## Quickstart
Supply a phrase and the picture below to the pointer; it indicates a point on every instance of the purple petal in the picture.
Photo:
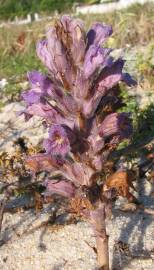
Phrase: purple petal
(44, 111)
(45, 56)
(69, 104)
(108, 78)
(35, 78)
(94, 58)
(56, 50)
(97, 163)
(31, 96)
(41, 87)
(81, 87)
(109, 125)
(77, 172)
(98, 34)
(42, 162)
(116, 123)
(40, 82)
(71, 135)
(96, 143)
(58, 53)
(61, 187)
(128, 79)
(49, 114)
(57, 143)
(66, 102)
(90, 106)
(75, 38)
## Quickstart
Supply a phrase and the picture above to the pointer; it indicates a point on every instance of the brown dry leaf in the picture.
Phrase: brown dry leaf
(38, 201)
(11, 166)
(121, 181)
(77, 205)
(20, 42)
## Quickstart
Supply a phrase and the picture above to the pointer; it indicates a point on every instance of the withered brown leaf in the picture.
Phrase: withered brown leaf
(77, 205)
(122, 182)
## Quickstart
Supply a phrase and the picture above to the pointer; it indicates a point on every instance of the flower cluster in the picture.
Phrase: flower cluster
(77, 101)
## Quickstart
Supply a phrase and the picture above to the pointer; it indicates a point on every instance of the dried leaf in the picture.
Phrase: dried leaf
(38, 201)
(77, 205)
(20, 42)
(121, 181)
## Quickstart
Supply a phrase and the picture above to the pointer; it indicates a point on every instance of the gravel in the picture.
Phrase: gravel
(13, 126)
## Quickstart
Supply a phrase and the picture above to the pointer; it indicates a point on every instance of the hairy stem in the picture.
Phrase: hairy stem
(97, 219)
(102, 251)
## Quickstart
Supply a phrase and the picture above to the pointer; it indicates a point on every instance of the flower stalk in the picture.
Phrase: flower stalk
(97, 219)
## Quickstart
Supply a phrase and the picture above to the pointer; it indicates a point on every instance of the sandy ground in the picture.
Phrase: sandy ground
(28, 245)
(13, 126)
(29, 242)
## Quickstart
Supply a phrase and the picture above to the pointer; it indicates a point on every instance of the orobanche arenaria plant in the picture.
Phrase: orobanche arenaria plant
(77, 100)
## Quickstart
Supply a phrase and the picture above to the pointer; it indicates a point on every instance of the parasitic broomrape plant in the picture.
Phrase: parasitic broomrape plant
(78, 101)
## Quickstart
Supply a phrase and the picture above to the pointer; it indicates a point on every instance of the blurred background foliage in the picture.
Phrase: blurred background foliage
(11, 8)
(133, 33)
(132, 27)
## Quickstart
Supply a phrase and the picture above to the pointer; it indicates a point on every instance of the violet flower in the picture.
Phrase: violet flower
(98, 34)
(77, 101)
(41, 86)
(95, 57)
(116, 124)
(58, 143)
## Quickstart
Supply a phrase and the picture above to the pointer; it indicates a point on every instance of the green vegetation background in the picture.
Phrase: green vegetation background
(11, 8)
(133, 32)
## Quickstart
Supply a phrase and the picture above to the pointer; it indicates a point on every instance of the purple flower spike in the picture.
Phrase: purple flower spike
(98, 34)
(77, 102)
(58, 143)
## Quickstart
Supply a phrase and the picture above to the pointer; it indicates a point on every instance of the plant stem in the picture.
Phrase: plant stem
(97, 219)
(102, 251)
